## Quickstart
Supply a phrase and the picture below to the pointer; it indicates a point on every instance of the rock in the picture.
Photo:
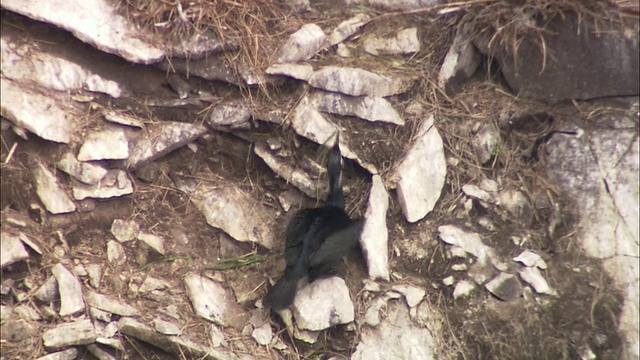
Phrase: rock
(343, 51)
(148, 172)
(372, 316)
(160, 139)
(292, 70)
(229, 208)
(96, 22)
(17, 330)
(110, 144)
(67, 354)
(47, 116)
(230, 116)
(49, 71)
(530, 259)
(402, 5)
(322, 304)
(49, 190)
(151, 283)
(108, 304)
(469, 241)
(517, 204)
(95, 274)
(289, 198)
(30, 243)
(365, 107)
(71, 301)
(115, 253)
(487, 191)
(580, 67)
(533, 277)
(87, 173)
(375, 235)
(173, 344)
(412, 294)
(505, 287)
(154, 241)
(405, 42)
(48, 292)
(307, 336)
(125, 230)
(27, 312)
(459, 64)
(347, 28)
(301, 45)
(449, 280)
(116, 183)
(123, 119)
(357, 82)
(11, 250)
(209, 68)
(308, 122)
(178, 84)
(99, 353)
(420, 175)
(263, 334)
(396, 337)
(209, 298)
(98, 314)
(216, 336)
(80, 332)
(166, 327)
(462, 289)
(486, 142)
(295, 176)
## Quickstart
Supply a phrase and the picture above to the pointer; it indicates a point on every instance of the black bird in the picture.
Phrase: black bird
(316, 239)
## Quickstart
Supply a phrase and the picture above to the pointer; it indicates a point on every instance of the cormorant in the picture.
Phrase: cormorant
(316, 239)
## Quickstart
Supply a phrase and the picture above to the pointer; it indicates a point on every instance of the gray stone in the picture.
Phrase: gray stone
(581, 66)
(115, 253)
(357, 82)
(301, 45)
(67, 354)
(27, 312)
(533, 277)
(70, 290)
(517, 204)
(505, 287)
(462, 289)
(216, 336)
(96, 22)
(412, 294)
(95, 274)
(209, 298)
(166, 327)
(486, 191)
(100, 353)
(420, 175)
(365, 107)
(160, 139)
(404, 42)
(154, 241)
(402, 4)
(469, 241)
(110, 144)
(459, 64)
(343, 51)
(85, 172)
(98, 314)
(322, 304)
(30, 243)
(263, 334)
(375, 235)
(104, 302)
(296, 71)
(122, 119)
(125, 230)
(12, 250)
(209, 68)
(230, 116)
(486, 142)
(48, 292)
(47, 116)
(49, 190)
(179, 85)
(396, 337)
(348, 28)
(80, 332)
(151, 283)
(116, 183)
(529, 258)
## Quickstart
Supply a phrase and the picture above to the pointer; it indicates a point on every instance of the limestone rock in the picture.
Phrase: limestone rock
(80, 332)
(161, 139)
(517, 204)
(505, 287)
(296, 71)
(301, 45)
(122, 119)
(533, 276)
(412, 294)
(87, 173)
(463, 288)
(115, 253)
(100, 353)
(12, 250)
(348, 28)
(67, 354)
(357, 82)
(367, 108)
(166, 327)
(420, 175)
(125, 230)
(154, 241)
(263, 334)
(70, 290)
(486, 142)
(230, 116)
(374, 237)
(469, 241)
(209, 298)
(404, 42)
(49, 190)
(48, 292)
(529, 258)
(115, 183)
(109, 144)
(104, 302)
(322, 304)
(459, 64)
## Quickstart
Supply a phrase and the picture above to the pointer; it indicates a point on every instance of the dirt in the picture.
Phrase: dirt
(478, 327)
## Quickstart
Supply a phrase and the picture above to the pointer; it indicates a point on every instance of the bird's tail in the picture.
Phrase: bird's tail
(283, 292)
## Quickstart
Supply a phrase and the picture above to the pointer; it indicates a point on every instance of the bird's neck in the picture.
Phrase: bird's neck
(336, 196)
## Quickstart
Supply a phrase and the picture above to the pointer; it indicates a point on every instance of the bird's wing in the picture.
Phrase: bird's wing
(297, 228)
(337, 244)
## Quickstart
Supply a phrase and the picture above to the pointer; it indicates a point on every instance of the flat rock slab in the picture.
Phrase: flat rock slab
(49, 190)
(108, 144)
(469, 241)
(301, 45)
(412, 294)
(11, 250)
(375, 235)
(357, 82)
(115, 253)
(227, 207)
(114, 184)
(104, 302)
(396, 337)
(348, 28)
(209, 298)
(125, 230)
(154, 241)
(230, 116)
(70, 290)
(80, 332)
(48, 292)
(173, 344)
(68, 354)
(420, 175)
(160, 139)
(322, 304)
(404, 42)
(296, 71)
(263, 334)
(533, 277)
(47, 116)
(97, 22)
(87, 173)
(459, 64)
(365, 107)
(166, 327)
(529, 258)
(505, 287)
